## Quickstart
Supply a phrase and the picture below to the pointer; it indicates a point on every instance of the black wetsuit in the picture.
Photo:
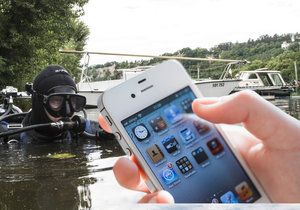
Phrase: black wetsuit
(53, 79)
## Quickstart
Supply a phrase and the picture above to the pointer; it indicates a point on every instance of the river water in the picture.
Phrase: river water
(32, 178)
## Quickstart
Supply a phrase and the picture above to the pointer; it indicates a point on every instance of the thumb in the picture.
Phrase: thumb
(103, 124)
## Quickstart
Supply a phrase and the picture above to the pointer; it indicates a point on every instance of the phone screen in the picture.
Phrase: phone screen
(187, 154)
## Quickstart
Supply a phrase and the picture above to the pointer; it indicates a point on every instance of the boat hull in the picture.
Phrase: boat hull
(217, 88)
(278, 91)
(208, 88)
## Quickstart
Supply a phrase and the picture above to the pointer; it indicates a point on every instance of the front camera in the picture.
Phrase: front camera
(132, 95)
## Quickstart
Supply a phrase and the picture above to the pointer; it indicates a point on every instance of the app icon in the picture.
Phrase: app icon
(141, 132)
(187, 105)
(200, 155)
(168, 174)
(229, 197)
(215, 146)
(244, 191)
(201, 127)
(158, 124)
(187, 135)
(155, 153)
(184, 165)
(173, 114)
(171, 144)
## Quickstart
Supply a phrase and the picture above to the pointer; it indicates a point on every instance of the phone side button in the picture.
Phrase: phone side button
(118, 136)
(108, 120)
(128, 152)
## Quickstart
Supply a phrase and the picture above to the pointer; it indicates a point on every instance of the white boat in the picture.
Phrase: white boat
(209, 88)
(217, 88)
(264, 82)
(92, 90)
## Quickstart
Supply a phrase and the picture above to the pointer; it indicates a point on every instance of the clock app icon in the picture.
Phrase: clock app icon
(141, 132)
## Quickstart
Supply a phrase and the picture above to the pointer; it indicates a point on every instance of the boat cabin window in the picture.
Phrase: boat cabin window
(252, 76)
(265, 79)
(277, 80)
(244, 75)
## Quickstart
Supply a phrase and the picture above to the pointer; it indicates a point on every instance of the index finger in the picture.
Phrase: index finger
(265, 121)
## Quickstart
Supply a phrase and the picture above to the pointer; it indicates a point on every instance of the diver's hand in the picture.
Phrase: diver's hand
(271, 146)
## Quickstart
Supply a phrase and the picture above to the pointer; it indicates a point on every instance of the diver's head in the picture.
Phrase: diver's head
(62, 102)
(54, 96)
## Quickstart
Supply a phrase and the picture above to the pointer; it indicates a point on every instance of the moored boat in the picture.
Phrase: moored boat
(208, 87)
(264, 82)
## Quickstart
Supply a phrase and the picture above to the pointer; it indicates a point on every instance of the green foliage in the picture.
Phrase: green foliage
(31, 34)
(285, 63)
(266, 51)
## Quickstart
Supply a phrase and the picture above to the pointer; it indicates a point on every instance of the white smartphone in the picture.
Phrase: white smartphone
(191, 158)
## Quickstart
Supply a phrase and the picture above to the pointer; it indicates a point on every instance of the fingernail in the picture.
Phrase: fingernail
(207, 101)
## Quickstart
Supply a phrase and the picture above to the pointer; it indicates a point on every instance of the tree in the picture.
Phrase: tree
(285, 63)
(266, 51)
(31, 34)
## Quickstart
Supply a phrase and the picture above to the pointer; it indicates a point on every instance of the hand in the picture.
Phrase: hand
(103, 124)
(128, 174)
(270, 145)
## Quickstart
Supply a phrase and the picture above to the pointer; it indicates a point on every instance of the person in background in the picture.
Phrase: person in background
(54, 97)
(268, 140)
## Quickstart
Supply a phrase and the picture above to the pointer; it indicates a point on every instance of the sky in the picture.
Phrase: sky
(155, 27)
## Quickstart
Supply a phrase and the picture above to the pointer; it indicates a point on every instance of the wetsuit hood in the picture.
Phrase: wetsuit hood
(49, 78)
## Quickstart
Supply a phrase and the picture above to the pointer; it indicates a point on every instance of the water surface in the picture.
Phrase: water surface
(31, 178)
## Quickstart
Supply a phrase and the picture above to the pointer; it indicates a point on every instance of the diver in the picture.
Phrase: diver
(54, 99)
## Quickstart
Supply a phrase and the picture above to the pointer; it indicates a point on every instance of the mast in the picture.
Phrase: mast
(148, 56)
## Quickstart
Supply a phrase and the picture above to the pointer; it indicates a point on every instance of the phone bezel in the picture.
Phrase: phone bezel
(157, 78)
